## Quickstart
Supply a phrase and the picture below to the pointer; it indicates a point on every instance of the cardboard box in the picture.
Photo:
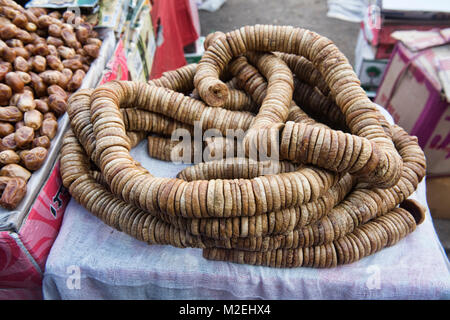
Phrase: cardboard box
(438, 197)
(195, 57)
(141, 45)
(112, 14)
(388, 16)
(413, 92)
(385, 43)
(368, 68)
(416, 9)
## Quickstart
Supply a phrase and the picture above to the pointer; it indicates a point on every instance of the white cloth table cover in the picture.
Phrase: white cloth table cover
(90, 260)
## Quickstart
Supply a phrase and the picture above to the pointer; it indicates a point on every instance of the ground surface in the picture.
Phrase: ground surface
(310, 14)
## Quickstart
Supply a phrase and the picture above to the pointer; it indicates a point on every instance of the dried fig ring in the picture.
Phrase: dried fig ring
(112, 147)
(290, 218)
(327, 59)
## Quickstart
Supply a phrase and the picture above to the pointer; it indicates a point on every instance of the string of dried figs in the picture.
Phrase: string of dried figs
(360, 113)
(330, 197)
(406, 194)
(147, 227)
(80, 104)
(44, 57)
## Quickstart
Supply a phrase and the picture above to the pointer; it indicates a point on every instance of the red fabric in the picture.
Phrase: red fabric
(40, 229)
(178, 30)
(23, 254)
(16, 269)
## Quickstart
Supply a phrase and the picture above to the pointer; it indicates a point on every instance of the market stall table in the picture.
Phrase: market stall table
(90, 260)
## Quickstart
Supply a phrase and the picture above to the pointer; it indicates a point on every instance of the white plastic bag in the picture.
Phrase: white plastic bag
(348, 10)
(210, 5)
